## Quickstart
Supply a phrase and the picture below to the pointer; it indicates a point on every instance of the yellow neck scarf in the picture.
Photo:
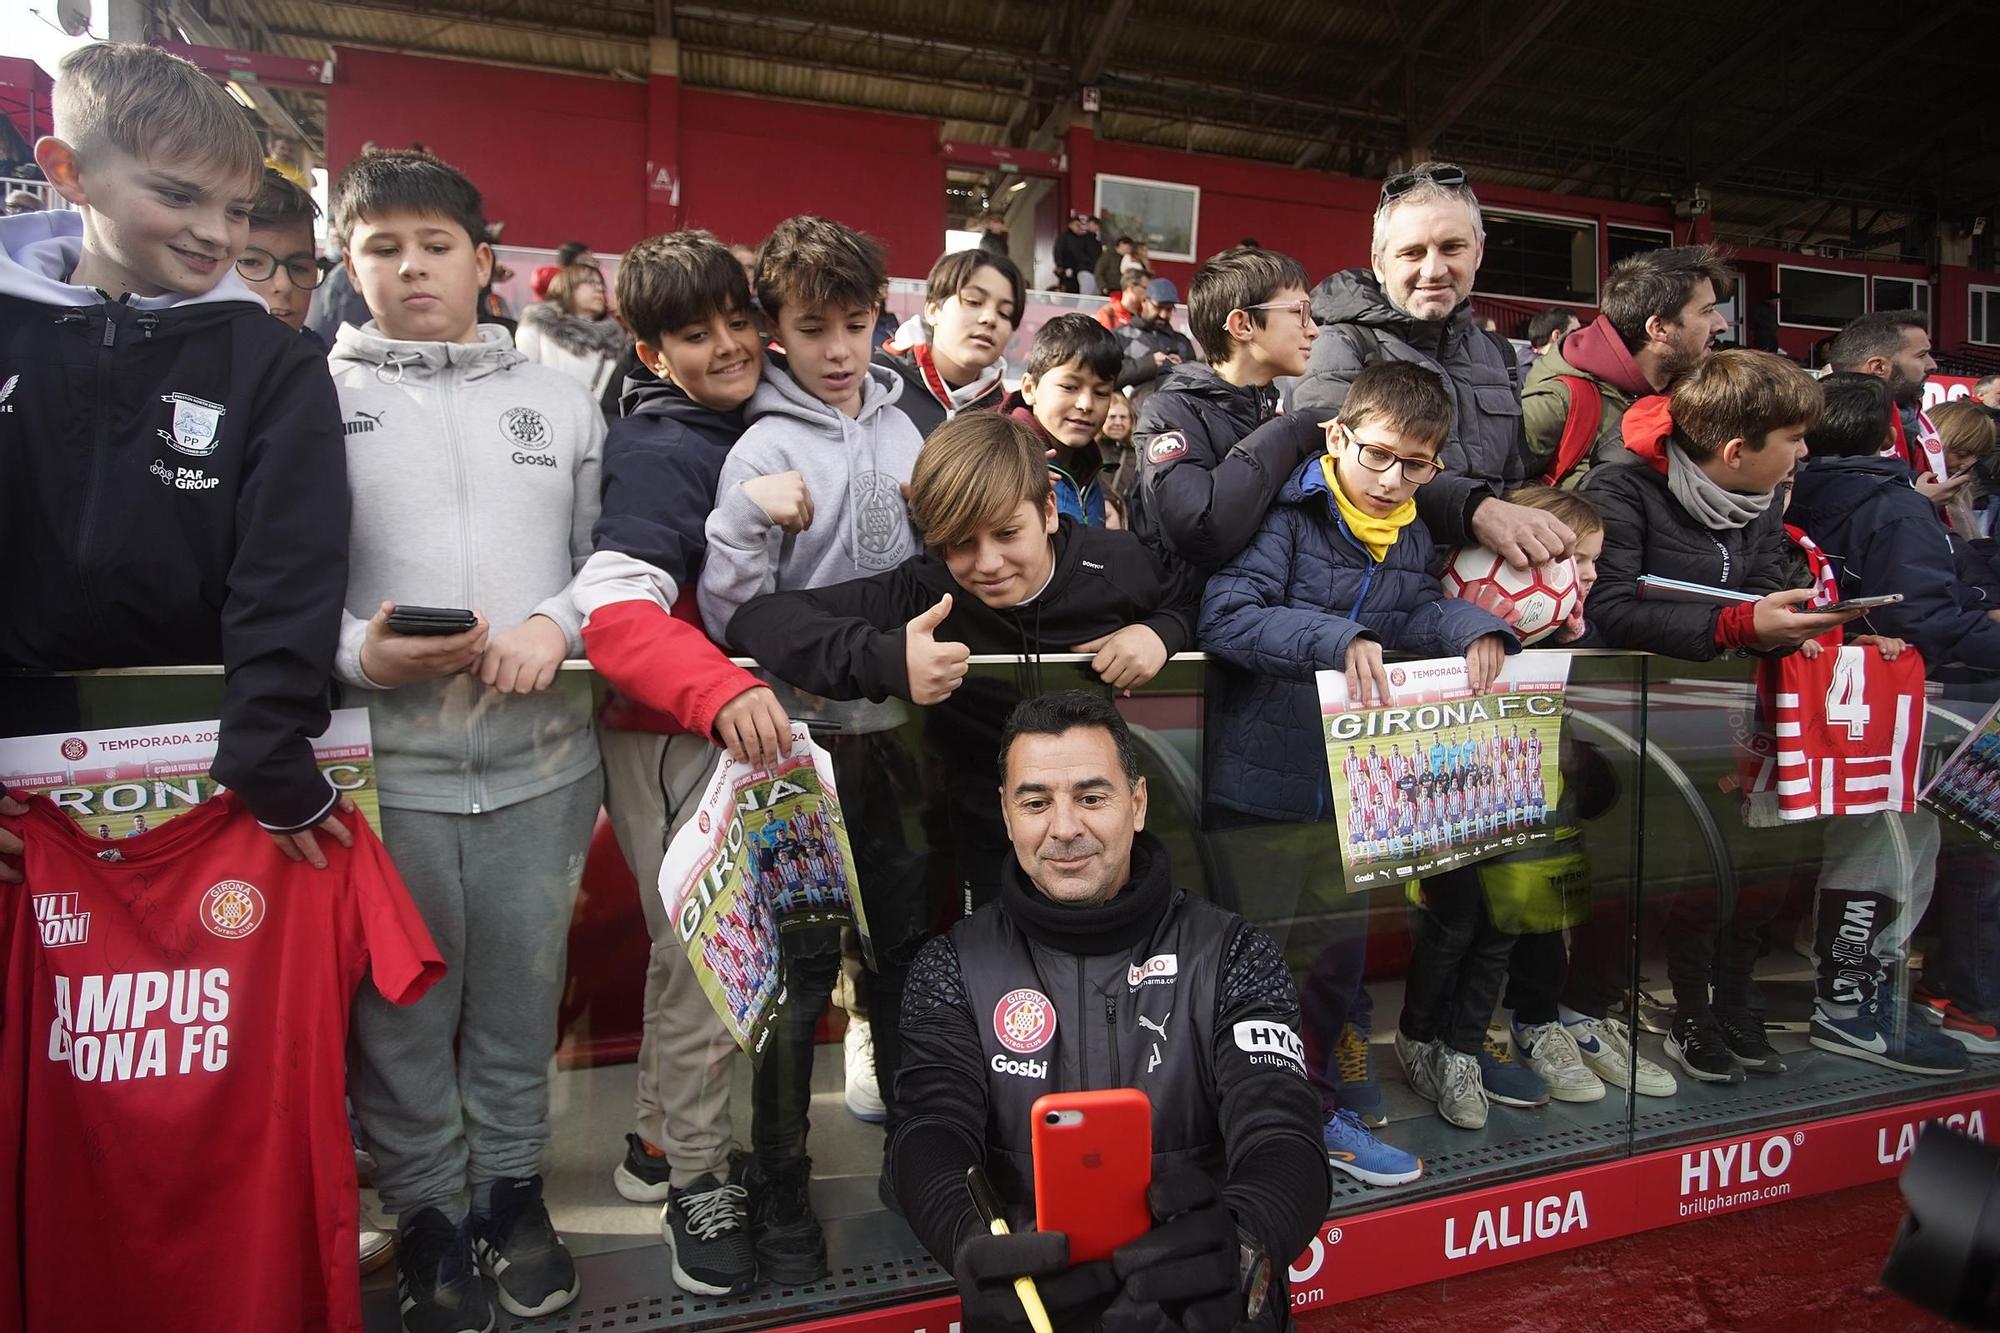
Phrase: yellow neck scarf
(1377, 534)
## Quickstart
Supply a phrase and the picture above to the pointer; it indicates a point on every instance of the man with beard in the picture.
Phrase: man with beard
(1659, 321)
(1895, 346)
(1415, 304)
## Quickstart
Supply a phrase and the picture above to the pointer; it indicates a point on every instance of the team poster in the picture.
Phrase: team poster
(1441, 777)
(124, 780)
(1966, 788)
(764, 853)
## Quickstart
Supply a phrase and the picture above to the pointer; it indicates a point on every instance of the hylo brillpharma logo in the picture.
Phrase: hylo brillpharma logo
(75, 748)
(232, 909)
(1024, 1020)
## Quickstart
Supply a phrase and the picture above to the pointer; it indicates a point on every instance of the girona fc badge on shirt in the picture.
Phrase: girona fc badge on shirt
(1024, 1020)
(232, 909)
(196, 424)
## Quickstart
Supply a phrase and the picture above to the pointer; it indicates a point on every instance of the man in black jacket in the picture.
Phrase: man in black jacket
(1003, 575)
(1076, 253)
(1132, 984)
(1153, 346)
(1416, 305)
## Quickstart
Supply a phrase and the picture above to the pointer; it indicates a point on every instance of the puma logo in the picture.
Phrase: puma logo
(1160, 1027)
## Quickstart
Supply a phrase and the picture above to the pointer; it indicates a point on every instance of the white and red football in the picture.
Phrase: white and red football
(1545, 596)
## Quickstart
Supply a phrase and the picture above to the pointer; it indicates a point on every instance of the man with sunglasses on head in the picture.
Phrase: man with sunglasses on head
(1211, 456)
(279, 262)
(1414, 304)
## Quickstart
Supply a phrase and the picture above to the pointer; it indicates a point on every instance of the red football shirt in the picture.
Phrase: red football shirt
(174, 1146)
(1848, 728)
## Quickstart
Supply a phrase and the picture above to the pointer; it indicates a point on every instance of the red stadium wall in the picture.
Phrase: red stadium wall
(556, 156)
(746, 164)
(567, 157)
(566, 160)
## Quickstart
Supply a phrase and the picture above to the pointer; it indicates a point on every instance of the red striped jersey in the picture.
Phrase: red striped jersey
(1848, 728)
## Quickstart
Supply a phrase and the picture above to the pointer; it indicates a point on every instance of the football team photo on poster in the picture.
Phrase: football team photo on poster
(765, 854)
(1441, 777)
(1966, 787)
(123, 781)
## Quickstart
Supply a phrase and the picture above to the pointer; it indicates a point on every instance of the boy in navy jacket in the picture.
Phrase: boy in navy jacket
(1211, 457)
(1339, 572)
(676, 698)
(1859, 506)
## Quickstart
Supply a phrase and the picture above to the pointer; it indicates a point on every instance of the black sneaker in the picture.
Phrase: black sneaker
(791, 1249)
(1701, 1049)
(642, 1176)
(707, 1230)
(436, 1282)
(517, 1246)
(1745, 1035)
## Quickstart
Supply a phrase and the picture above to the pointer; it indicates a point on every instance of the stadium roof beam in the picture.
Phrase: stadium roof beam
(1315, 152)
(1805, 110)
(1467, 87)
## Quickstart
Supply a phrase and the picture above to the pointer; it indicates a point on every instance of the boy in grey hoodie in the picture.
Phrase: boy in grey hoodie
(811, 495)
(475, 477)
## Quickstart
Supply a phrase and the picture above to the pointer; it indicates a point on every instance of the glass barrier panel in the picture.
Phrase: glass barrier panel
(1797, 965)
(1558, 975)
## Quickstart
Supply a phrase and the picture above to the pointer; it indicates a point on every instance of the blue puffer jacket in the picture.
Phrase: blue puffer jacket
(1286, 607)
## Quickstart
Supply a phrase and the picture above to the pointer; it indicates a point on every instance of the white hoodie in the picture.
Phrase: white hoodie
(475, 481)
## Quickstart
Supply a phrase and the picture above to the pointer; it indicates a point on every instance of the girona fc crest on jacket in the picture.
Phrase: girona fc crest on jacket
(197, 424)
(1024, 1020)
(232, 909)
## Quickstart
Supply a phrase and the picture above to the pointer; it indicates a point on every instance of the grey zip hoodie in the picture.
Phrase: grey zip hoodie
(475, 481)
(855, 467)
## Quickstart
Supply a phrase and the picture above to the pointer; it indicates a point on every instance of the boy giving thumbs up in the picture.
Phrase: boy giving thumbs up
(1002, 574)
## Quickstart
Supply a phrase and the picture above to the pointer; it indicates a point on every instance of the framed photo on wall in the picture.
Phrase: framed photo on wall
(1160, 214)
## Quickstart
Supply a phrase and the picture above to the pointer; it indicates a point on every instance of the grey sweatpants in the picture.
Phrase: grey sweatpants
(1877, 874)
(687, 1058)
(496, 890)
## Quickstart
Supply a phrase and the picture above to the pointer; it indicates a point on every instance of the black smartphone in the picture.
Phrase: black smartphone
(431, 620)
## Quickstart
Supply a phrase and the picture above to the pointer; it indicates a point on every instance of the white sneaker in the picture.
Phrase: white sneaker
(377, 1248)
(864, 1097)
(1606, 1047)
(1461, 1096)
(1551, 1053)
(1419, 1061)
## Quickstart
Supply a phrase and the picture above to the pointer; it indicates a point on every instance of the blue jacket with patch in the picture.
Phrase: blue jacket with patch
(1287, 607)
(1883, 537)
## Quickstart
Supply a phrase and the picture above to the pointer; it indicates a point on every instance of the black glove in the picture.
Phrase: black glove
(1187, 1266)
(987, 1265)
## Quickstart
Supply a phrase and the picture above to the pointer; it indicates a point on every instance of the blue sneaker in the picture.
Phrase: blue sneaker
(1904, 1045)
(1354, 1077)
(1351, 1148)
(1505, 1079)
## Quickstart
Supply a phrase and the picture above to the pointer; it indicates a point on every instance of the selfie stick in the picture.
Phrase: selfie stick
(989, 1212)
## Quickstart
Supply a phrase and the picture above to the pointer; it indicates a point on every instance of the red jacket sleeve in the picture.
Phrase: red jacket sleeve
(663, 663)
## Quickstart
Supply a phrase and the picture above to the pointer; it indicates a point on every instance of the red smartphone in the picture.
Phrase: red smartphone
(1093, 1161)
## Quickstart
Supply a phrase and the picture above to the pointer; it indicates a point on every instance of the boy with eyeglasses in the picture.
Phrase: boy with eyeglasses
(1337, 573)
(279, 262)
(1197, 497)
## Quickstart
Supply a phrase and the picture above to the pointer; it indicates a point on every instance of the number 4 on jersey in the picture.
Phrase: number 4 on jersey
(1847, 697)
